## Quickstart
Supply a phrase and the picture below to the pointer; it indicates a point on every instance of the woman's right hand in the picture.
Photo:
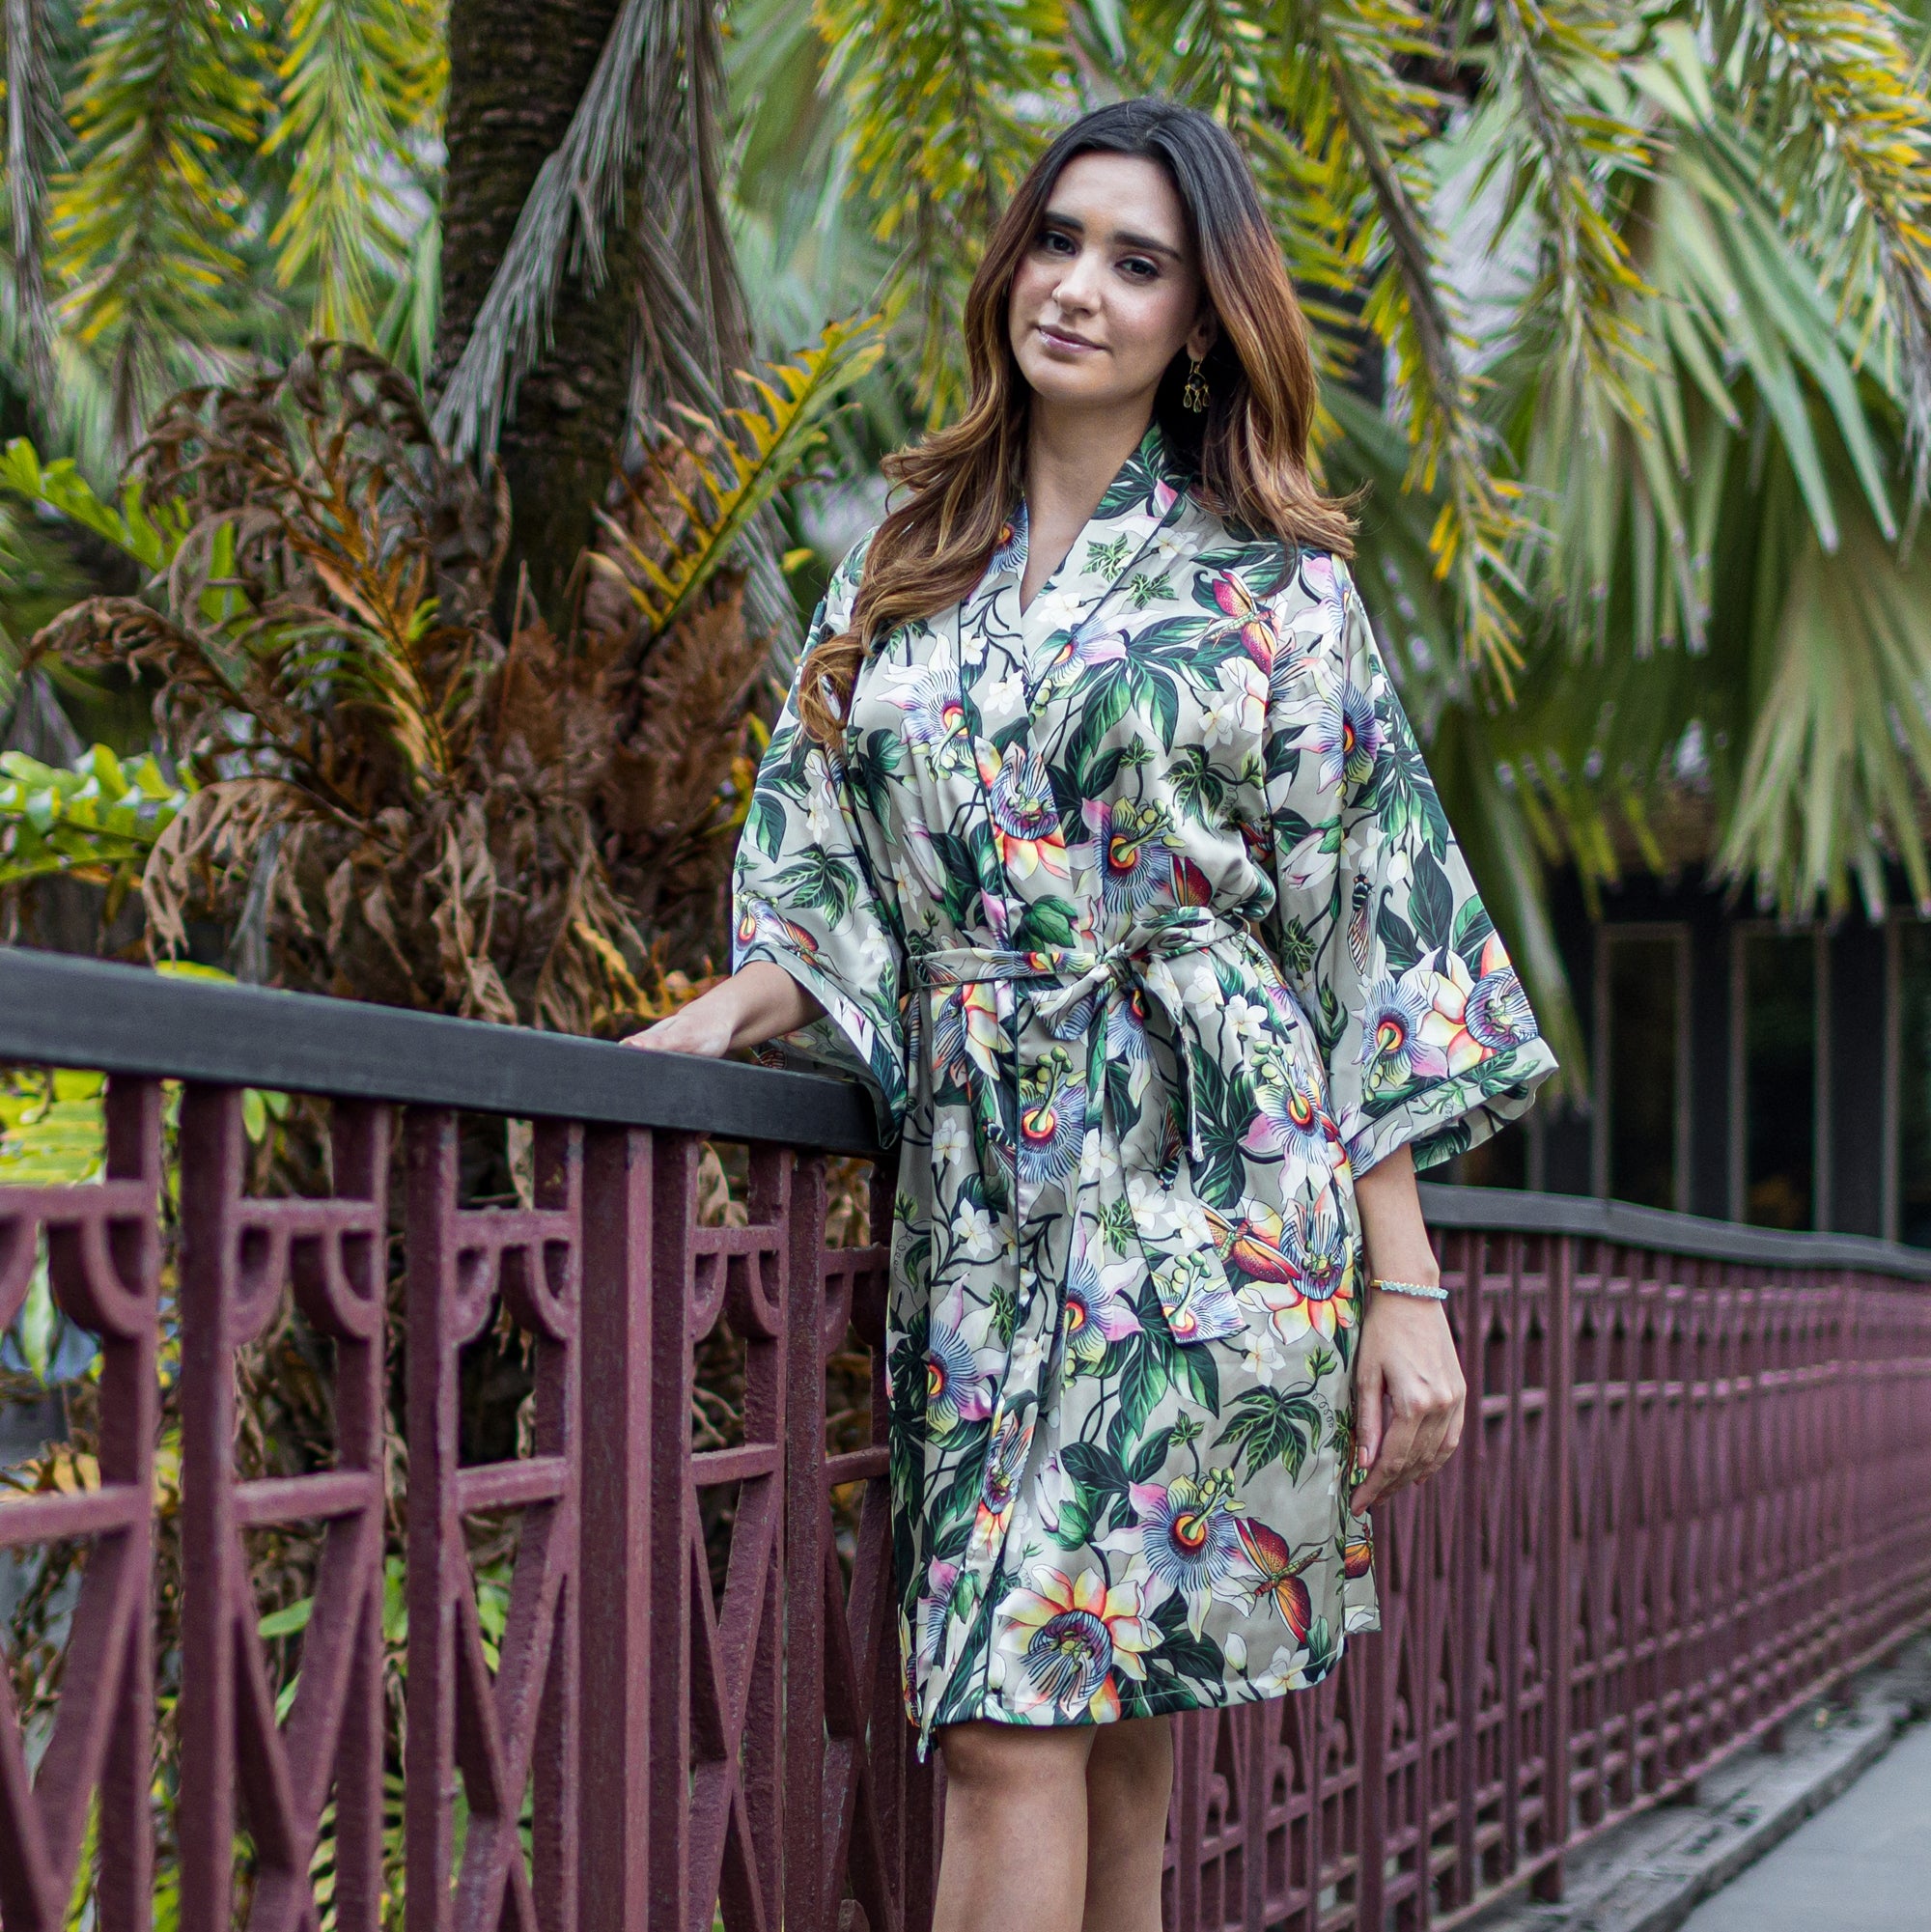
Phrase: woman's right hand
(757, 1003)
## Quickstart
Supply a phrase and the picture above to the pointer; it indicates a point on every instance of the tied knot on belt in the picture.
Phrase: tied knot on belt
(1059, 979)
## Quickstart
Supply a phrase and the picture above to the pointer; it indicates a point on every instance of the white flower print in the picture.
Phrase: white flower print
(978, 1234)
(1249, 1019)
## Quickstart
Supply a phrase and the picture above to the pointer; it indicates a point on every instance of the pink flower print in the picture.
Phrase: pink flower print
(1395, 1048)
(1080, 650)
(1097, 1314)
(1185, 1531)
(1071, 1635)
(1129, 850)
(1289, 1118)
(1497, 1012)
(1025, 819)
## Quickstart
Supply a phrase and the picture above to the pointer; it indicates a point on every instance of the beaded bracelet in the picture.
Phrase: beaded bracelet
(1411, 1288)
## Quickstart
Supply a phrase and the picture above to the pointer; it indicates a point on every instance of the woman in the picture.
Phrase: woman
(1094, 840)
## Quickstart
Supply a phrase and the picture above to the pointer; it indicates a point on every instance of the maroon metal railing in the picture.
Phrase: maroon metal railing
(1696, 1491)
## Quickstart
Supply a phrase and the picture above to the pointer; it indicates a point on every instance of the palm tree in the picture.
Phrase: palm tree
(1647, 291)
(517, 205)
(1626, 307)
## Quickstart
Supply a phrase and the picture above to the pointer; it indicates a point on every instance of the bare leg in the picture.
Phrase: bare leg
(1129, 1785)
(1015, 1850)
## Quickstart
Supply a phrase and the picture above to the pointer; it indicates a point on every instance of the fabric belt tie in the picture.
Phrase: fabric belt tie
(1139, 962)
(1186, 1270)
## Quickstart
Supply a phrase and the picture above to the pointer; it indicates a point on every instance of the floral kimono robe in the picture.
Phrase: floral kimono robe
(1137, 913)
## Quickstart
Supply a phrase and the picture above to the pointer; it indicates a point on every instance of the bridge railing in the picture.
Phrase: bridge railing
(631, 1672)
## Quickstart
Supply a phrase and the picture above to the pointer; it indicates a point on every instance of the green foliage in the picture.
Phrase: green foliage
(356, 77)
(126, 523)
(98, 820)
(739, 467)
(943, 105)
(148, 228)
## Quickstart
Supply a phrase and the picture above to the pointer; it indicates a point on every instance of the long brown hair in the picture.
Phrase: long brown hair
(1248, 451)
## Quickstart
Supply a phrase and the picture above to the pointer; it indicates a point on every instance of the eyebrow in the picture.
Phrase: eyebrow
(1124, 237)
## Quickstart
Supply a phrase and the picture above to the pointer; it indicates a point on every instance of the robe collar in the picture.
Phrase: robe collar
(1145, 498)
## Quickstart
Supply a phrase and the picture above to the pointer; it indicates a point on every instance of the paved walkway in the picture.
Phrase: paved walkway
(1861, 1864)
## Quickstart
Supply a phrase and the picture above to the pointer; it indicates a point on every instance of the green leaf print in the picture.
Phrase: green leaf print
(1397, 937)
(1472, 928)
(764, 824)
(1271, 1425)
(1432, 900)
(1106, 702)
(1146, 1465)
(820, 881)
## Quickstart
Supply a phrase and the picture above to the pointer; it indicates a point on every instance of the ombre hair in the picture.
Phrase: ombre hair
(1247, 452)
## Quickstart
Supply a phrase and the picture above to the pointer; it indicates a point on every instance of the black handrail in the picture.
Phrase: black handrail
(58, 1010)
(1624, 1224)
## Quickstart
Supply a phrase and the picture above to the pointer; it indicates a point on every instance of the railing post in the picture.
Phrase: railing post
(435, 1547)
(673, 1218)
(619, 1582)
(1559, 1658)
(211, 1150)
(806, 1553)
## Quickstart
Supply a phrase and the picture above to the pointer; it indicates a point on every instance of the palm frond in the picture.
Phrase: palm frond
(1361, 43)
(945, 102)
(757, 451)
(148, 228)
(1835, 772)
(350, 92)
(1836, 89)
(1555, 66)
(32, 145)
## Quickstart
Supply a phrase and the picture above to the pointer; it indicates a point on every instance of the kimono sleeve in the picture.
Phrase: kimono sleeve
(1428, 1037)
(807, 897)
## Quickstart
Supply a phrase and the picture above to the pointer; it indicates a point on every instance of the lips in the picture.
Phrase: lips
(1059, 338)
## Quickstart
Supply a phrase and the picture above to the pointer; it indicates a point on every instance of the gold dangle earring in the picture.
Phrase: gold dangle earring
(1194, 395)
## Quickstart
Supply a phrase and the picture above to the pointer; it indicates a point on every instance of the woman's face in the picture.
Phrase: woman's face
(1109, 291)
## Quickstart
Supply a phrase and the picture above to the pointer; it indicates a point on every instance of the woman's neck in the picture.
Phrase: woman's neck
(1070, 458)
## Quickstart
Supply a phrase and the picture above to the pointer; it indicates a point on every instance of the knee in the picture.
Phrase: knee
(1129, 1780)
(990, 1762)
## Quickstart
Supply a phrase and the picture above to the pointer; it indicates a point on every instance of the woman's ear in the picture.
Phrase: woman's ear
(1204, 334)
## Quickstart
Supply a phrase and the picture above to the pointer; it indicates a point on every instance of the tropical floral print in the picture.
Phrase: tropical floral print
(1139, 914)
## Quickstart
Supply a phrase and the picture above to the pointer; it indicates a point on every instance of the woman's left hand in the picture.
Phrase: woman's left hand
(1408, 1389)
(1406, 1367)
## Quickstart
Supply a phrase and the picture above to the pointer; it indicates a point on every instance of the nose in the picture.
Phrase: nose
(1077, 289)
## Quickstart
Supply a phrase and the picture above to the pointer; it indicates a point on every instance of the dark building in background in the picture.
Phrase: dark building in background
(1740, 1068)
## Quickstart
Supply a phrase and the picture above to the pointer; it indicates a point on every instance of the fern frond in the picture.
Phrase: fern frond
(759, 450)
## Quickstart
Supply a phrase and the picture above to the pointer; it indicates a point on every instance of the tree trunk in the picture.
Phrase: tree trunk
(517, 71)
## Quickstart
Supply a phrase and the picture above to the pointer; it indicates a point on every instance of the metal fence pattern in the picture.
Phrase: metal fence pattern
(1695, 1489)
